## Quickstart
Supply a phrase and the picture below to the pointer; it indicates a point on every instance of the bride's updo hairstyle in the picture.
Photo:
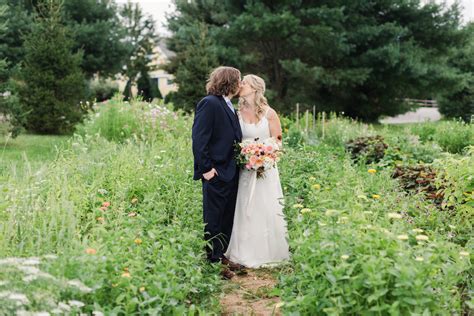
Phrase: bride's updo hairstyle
(257, 84)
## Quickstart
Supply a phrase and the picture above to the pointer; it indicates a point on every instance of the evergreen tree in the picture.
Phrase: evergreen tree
(360, 57)
(10, 108)
(192, 67)
(459, 101)
(140, 40)
(52, 82)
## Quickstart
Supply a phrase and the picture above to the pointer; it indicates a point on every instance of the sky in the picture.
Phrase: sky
(159, 8)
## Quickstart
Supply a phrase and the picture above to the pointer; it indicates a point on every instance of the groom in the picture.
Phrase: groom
(215, 130)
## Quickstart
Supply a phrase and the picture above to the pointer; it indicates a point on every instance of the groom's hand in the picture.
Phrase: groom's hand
(210, 174)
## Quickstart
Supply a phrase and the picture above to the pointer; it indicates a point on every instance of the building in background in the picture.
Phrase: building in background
(164, 80)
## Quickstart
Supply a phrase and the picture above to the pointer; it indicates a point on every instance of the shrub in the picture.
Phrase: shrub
(371, 148)
(454, 136)
(102, 89)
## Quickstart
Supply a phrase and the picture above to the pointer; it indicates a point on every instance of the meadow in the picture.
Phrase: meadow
(110, 222)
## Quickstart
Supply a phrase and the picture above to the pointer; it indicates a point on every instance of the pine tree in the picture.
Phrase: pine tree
(52, 82)
(192, 67)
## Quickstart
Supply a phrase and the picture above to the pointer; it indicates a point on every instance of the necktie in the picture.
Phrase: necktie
(229, 104)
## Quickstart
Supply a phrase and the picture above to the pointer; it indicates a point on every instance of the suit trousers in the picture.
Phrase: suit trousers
(219, 200)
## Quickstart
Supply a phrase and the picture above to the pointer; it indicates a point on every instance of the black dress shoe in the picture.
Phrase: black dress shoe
(226, 274)
(236, 267)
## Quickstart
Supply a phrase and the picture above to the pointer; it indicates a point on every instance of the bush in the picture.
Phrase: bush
(454, 136)
(118, 121)
(371, 149)
(102, 89)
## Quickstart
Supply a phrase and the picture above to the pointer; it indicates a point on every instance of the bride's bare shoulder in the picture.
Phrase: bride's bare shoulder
(271, 113)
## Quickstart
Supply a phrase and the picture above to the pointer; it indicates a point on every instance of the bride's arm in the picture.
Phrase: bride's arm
(275, 126)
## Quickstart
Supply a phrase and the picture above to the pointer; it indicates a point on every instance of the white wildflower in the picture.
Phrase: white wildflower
(75, 303)
(81, 286)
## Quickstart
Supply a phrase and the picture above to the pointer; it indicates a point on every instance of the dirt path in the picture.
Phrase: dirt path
(251, 294)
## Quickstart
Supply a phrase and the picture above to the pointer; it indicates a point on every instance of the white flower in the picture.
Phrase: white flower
(81, 286)
(74, 303)
(419, 259)
(394, 215)
(402, 237)
(464, 253)
(345, 257)
(97, 313)
(417, 230)
(64, 306)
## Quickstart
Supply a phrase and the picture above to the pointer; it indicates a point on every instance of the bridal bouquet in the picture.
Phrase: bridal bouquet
(258, 155)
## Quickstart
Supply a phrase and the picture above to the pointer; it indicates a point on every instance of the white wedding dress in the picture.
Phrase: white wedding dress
(259, 235)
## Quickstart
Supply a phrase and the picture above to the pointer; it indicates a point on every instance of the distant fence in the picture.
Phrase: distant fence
(424, 103)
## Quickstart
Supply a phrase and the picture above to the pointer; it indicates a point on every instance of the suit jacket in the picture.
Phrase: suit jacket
(215, 131)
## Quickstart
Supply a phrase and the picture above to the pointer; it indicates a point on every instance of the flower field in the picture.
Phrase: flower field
(112, 226)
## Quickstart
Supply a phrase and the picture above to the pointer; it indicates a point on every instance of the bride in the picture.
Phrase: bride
(259, 233)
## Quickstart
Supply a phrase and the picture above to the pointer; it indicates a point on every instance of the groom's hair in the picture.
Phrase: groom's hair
(223, 81)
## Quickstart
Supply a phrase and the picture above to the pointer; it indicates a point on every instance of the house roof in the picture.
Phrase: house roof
(164, 48)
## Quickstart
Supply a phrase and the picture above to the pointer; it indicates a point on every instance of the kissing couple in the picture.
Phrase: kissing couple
(243, 217)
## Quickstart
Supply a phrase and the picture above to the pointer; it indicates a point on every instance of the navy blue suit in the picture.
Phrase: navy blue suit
(216, 129)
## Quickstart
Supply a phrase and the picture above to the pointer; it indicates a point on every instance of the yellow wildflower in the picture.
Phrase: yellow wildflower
(375, 196)
(394, 215)
(298, 206)
(316, 186)
(421, 237)
(372, 171)
(305, 210)
(134, 201)
(126, 275)
(138, 241)
(142, 289)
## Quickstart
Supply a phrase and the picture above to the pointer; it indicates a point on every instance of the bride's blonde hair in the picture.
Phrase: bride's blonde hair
(258, 84)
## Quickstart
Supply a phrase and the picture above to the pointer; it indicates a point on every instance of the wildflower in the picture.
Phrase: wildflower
(132, 214)
(103, 208)
(464, 253)
(321, 224)
(344, 257)
(417, 230)
(305, 210)
(75, 303)
(421, 237)
(102, 191)
(402, 237)
(372, 171)
(419, 259)
(298, 206)
(312, 178)
(126, 275)
(106, 204)
(91, 251)
(362, 197)
(134, 201)
(452, 226)
(142, 289)
(114, 284)
(138, 241)
(316, 186)
(394, 215)
(81, 286)
(375, 196)
(343, 219)
(331, 213)
(100, 219)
